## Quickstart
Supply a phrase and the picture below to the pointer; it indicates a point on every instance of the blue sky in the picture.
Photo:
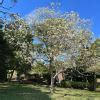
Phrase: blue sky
(89, 9)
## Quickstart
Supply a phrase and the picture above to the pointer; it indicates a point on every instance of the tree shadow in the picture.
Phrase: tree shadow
(22, 92)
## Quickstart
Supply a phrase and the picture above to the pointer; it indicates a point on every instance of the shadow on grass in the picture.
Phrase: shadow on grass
(22, 92)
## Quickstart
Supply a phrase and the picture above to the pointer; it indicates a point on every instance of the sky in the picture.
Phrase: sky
(88, 9)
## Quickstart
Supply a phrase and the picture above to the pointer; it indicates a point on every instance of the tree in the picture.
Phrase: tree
(95, 50)
(5, 54)
(85, 60)
(19, 36)
(95, 47)
(60, 34)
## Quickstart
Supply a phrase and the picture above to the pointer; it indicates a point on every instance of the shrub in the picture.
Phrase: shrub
(66, 84)
(76, 85)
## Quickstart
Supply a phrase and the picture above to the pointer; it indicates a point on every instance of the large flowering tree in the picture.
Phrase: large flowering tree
(62, 36)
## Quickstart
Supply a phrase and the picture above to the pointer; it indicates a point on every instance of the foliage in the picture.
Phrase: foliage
(39, 68)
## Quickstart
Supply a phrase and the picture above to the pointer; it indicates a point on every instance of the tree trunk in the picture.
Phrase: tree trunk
(11, 75)
(18, 76)
(52, 83)
(52, 78)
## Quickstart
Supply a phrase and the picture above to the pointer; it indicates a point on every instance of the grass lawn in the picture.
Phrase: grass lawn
(36, 92)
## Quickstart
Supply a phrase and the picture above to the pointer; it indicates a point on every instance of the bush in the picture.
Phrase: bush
(76, 85)
(79, 85)
(66, 84)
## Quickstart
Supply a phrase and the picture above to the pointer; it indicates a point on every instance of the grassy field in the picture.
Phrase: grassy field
(36, 92)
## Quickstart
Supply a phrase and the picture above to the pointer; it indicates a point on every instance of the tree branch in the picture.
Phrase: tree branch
(1, 2)
(1, 5)
(4, 12)
(6, 7)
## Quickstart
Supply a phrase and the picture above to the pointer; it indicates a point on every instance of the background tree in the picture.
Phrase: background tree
(5, 54)
(95, 47)
(95, 50)
(85, 60)
(19, 37)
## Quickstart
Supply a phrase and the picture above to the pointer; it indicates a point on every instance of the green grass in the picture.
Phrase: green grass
(36, 92)
(75, 94)
(23, 92)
